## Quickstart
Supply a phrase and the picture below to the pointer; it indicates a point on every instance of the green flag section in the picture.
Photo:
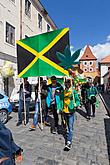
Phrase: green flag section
(36, 55)
(47, 69)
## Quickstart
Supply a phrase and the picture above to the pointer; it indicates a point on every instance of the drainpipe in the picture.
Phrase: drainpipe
(20, 19)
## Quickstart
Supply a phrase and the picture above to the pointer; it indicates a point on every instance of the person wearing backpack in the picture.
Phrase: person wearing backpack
(91, 92)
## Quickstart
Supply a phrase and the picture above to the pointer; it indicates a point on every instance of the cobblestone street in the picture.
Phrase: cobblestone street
(91, 142)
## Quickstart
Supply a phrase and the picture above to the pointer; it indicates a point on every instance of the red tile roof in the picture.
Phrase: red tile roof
(105, 60)
(88, 55)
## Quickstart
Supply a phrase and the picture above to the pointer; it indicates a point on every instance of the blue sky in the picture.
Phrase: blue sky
(88, 20)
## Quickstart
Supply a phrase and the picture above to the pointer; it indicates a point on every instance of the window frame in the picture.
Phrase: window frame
(11, 31)
(84, 63)
(48, 28)
(28, 8)
(91, 63)
(90, 69)
(40, 21)
(85, 69)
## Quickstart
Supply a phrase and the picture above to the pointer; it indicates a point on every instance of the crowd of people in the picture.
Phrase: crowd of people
(60, 99)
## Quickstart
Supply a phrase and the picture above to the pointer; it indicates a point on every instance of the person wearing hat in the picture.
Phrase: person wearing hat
(71, 101)
(53, 100)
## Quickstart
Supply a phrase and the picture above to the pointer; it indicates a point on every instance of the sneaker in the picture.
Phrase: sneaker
(46, 123)
(93, 115)
(67, 146)
(18, 123)
(32, 128)
(54, 131)
(88, 118)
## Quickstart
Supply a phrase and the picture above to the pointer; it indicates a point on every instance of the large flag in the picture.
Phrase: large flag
(36, 55)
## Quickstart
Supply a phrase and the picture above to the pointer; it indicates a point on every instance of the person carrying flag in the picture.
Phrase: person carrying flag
(53, 101)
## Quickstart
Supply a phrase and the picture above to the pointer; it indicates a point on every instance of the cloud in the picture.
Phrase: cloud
(100, 50)
(72, 49)
(108, 38)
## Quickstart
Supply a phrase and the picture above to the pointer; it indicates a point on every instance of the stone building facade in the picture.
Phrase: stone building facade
(104, 66)
(18, 19)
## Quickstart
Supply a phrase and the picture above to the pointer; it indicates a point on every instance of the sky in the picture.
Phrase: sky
(88, 21)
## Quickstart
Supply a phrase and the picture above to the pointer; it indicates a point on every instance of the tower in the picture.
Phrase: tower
(88, 64)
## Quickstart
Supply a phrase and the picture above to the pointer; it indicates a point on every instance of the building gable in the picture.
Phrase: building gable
(88, 55)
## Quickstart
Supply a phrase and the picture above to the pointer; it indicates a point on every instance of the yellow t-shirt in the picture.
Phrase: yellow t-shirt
(67, 95)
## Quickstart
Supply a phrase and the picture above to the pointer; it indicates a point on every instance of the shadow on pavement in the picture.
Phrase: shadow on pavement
(81, 112)
(105, 97)
(107, 134)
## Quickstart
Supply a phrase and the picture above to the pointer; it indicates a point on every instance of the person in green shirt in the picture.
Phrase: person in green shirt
(91, 92)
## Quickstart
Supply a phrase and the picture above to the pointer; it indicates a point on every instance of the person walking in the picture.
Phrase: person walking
(43, 94)
(71, 101)
(91, 92)
(27, 94)
(53, 101)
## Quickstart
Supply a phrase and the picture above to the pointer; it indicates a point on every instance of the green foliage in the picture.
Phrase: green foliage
(67, 60)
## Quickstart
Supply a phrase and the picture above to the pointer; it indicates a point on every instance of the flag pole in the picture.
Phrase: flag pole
(24, 103)
(39, 99)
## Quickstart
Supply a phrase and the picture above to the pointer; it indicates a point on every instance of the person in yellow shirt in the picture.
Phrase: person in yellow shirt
(71, 101)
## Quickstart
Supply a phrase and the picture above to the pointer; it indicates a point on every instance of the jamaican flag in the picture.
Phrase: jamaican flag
(36, 55)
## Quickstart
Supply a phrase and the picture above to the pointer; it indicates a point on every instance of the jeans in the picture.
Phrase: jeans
(69, 118)
(37, 108)
(21, 103)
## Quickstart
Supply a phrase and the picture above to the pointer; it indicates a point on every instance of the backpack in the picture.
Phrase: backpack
(93, 99)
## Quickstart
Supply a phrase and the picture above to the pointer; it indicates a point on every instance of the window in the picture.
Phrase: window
(85, 69)
(91, 62)
(39, 21)
(90, 69)
(28, 8)
(10, 34)
(84, 63)
(48, 28)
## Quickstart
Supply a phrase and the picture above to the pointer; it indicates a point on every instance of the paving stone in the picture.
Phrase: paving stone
(90, 145)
